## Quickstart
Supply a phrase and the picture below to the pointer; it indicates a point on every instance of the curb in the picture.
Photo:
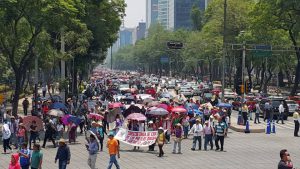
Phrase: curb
(239, 129)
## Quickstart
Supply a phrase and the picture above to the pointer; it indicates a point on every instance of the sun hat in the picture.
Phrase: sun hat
(160, 128)
(62, 140)
(150, 122)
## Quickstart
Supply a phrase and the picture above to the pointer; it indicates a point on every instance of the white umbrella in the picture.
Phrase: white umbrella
(56, 112)
(158, 111)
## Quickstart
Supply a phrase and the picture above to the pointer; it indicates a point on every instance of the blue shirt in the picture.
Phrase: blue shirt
(23, 160)
(93, 147)
(63, 153)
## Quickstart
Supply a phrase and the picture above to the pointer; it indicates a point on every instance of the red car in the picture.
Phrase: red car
(150, 91)
(295, 98)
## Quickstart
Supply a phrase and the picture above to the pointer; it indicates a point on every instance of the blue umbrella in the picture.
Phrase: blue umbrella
(74, 119)
(166, 95)
(225, 105)
(58, 105)
(191, 106)
(196, 111)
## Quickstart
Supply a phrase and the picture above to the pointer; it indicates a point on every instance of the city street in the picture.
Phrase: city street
(246, 151)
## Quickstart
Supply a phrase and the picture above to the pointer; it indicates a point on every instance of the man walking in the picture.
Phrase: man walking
(50, 130)
(197, 130)
(63, 154)
(92, 147)
(113, 150)
(220, 133)
(281, 111)
(25, 104)
(296, 121)
(208, 134)
(178, 138)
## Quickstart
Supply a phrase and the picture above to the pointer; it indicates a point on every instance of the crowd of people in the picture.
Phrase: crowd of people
(105, 117)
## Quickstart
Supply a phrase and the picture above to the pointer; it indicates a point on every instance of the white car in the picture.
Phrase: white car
(292, 105)
(186, 91)
(124, 87)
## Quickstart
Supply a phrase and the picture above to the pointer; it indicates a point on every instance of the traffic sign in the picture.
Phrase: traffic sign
(263, 50)
(175, 45)
(164, 59)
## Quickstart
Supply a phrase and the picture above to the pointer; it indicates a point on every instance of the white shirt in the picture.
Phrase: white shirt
(5, 132)
(281, 108)
(197, 130)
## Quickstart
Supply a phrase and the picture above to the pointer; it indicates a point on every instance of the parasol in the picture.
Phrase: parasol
(179, 110)
(158, 111)
(136, 116)
(56, 113)
(95, 116)
(27, 121)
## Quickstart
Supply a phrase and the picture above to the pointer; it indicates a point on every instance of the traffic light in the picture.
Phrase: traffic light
(242, 89)
(248, 87)
(175, 45)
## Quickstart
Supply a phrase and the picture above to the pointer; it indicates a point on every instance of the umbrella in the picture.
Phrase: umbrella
(179, 110)
(147, 101)
(154, 103)
(129, 98)
(137, 105)
(225, 105)
(195, 111)
(58, 105)
(89, 132)
(191, 106)
(158, 111)
(166, 95)
(164, 100)
(95, 116)
(27, 121)
(69, 118)
(144, 96)
(57, 113)
(115, 105)
(164, 106)
(136, 116)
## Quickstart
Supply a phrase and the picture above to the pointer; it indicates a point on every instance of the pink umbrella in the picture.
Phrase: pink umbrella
(179, 110)
(164, 106)
(27, 121)
(65, 119)
(95, 116)
(115, 105)
(154, 103)
(137, 116)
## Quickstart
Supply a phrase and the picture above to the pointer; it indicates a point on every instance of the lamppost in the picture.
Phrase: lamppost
(224, 48)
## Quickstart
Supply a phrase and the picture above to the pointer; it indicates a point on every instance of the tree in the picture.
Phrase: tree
(197, 18)
(23, 24)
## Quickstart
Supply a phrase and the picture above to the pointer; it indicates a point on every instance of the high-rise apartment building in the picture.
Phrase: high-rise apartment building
(151, 12)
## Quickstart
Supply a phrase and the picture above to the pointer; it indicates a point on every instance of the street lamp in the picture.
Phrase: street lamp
(224, 48)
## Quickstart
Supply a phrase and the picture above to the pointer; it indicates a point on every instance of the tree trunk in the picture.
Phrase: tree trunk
(265, 86)
(262, 75)
(280, 79)
(16, 96)
(297, 50)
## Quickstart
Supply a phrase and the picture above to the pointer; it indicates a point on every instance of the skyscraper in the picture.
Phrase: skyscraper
(141, 31)
(151, 12)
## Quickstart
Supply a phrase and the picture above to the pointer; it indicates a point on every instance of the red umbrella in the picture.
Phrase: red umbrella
(136, 116)
(27, 121)
(164, 106)
(179, 110)
(115, 105)
(95, 116)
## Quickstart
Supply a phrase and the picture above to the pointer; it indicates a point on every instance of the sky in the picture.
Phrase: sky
(135, 12)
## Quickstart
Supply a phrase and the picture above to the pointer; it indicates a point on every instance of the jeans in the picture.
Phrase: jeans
(195, 139)
(221, 139)
(92, 160)
(113, 160)
(20, 141)
(250, 115)
(175, 145)
(49, 136)
(25, 111)
(208, 138)
(296, 127)
(101, 143)
(186, 131)
(32, 138)
(14, 139)
(256, 118)
(25, 167)
(280, 117)
(6, 144)
(62, 164)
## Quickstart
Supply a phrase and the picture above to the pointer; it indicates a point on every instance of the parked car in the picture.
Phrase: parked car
(185, 90)
(229, 94)
(292, 105)
(295, 98)
(275, 102)
(196, 91)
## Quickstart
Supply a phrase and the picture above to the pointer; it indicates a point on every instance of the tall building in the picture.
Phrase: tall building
(181, 13)
(126, 37)
(141, 31)
(173, 14)
(151, 12)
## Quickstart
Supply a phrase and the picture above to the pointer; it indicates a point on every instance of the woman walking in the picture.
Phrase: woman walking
(161, 139)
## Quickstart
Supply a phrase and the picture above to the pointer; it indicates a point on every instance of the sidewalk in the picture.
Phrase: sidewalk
(254, 128)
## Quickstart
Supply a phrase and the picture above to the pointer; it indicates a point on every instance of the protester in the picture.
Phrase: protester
(208, 135)
(72, 132)
(186, 126)
(14, 162)
(178, 138)
(113, 150)
(63, 154)
(151, 128)
(21, 134)
(36, 159)
(92, 148)
(13, 126)
(285, 160)
(59, 130)
(197, 130)
(296, 121)
(33, 133)
(100, 135)
(6, 136)
(161, 139)
(50, 130)
(25, 104)
(24, 154)
(220, 129)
